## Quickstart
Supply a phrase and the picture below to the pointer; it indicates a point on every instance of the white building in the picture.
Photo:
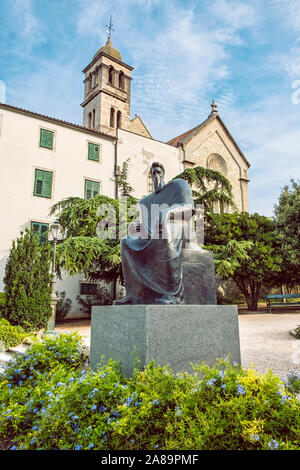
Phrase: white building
(44, 160)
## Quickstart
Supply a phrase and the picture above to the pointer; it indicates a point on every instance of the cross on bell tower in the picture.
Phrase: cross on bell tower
(110, 27)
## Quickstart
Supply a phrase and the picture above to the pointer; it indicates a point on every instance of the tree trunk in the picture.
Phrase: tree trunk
(251, 291)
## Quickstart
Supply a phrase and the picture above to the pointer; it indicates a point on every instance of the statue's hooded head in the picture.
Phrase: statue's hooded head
(158, 173)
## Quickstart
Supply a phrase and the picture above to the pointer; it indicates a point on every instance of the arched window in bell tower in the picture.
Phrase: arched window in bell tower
(112, 117)
(121, 80)
(119, 119)
(94, 119)
(90, 121)
(111, 75)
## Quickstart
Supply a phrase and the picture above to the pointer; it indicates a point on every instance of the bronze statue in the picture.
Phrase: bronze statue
(151, 255)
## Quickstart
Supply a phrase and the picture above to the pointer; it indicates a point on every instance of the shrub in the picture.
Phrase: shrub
(27, 283)
(103, 297)
(63, 306)
(26, 384)
(293, 383)
(2, 303)
(49, 403)
(10, 336)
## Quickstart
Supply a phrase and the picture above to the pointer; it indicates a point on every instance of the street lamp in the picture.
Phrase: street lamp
(55, 227)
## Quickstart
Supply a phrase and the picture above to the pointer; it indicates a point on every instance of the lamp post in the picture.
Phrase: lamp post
(51, 323)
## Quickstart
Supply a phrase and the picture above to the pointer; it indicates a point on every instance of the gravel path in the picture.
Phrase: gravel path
(264, 338)
(266, 343)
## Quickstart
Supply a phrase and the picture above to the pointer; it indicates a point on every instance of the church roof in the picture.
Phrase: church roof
(109, 50)
(186, 136)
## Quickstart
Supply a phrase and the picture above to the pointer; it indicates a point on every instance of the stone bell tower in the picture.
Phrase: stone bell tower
(106, 104)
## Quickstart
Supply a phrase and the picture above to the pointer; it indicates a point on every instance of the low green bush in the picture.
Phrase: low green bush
(49, 402)
(63, 306)
(10, 336)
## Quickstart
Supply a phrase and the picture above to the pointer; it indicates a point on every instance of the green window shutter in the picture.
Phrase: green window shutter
(94, 152)
(47, 189)
(46, 139)
(96, 190)
(92, 189)
(43, 183)
(88, 191)
(41, 230)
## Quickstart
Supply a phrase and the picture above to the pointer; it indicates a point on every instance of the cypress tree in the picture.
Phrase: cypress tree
(27, 282)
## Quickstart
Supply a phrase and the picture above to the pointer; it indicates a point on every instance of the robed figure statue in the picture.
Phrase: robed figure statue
(151, 255)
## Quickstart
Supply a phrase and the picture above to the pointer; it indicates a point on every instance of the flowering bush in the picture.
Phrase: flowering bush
(49, 402)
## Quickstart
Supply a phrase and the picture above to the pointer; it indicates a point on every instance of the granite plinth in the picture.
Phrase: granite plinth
(177, 335)
(199, 281)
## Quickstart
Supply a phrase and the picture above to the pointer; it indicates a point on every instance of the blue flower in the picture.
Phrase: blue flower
(91, 445)
(78, 447)
(241, 390)
(136, 404)
(13, 448)
(93, 407)
(221, 374)
(75, 417)
(285, 398)
(273, 444)
(178, 411)
(254, 437)
(211, 382)
(128, 401)
(155, 402)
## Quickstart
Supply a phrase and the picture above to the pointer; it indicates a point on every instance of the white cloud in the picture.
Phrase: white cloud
(235, 14)
(268, 133)
(29, 31)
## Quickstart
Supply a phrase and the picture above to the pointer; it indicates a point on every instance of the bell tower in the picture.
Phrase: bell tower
(107, 87)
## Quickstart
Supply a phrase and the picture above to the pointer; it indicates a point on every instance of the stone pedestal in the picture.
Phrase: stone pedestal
(177, 335)
(199, 279)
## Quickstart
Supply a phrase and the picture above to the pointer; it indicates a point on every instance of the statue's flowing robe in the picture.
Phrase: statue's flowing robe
(151, 261)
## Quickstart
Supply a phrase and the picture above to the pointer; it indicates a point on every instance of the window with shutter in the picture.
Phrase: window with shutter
(94, 152)
(91, 189)
(43, 183)
(41, 230)
(46, 139)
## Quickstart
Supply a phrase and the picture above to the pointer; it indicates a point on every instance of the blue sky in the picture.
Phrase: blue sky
(244, 54)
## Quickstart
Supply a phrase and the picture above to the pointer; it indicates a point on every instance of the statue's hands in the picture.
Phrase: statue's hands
(134, 228)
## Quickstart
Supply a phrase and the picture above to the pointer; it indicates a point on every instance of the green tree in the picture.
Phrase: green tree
(82, 250)
(287, 225)
(27, 283)
(247, 251)
(209, 187)
(125, 189)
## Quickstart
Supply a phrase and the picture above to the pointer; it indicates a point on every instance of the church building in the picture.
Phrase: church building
(45, 159)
